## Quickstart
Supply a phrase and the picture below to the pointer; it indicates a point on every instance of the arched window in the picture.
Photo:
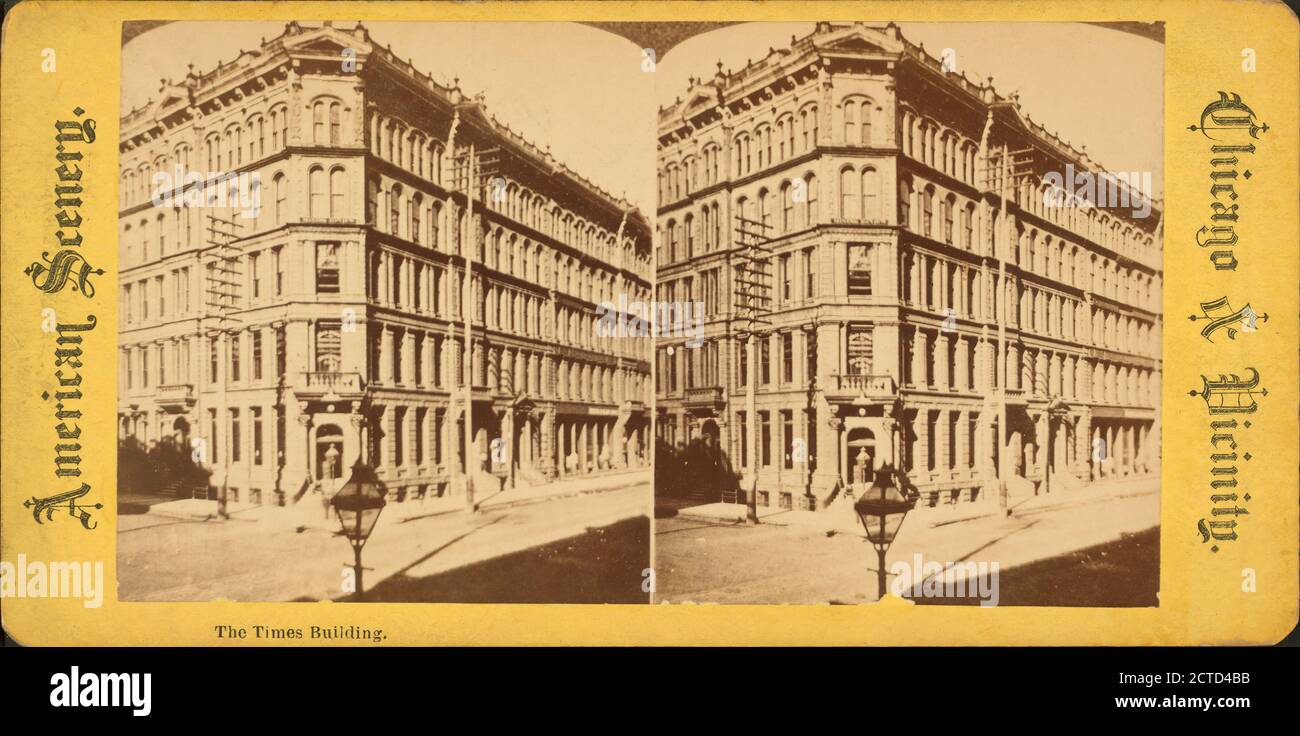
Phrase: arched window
(848, 194)
(787, 208)
(233, 151)
(690, 235)
(280, 192)
(811, 215)
(395, 210)
(949, 204)
(316, 188)
(905, 202)
(416, 208)
(336, 125)
(212, 150)
(870, 194)
(968, 226)
(318, 123)
(435, 225)
(338, 194)
(927, 211)
(276, 117)
(256, 138)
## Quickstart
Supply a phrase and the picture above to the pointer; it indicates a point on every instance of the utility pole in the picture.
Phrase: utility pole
(470, 172)
(754, 305)
(221, 296)
(1008, 172)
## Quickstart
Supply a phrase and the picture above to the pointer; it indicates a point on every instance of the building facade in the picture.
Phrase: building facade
(904, 208)
(318, 318)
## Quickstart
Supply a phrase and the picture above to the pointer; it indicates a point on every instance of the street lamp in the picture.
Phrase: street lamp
(358, 505)
(881, 510)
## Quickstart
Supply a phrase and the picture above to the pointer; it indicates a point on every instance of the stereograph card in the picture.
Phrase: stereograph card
(634, 323)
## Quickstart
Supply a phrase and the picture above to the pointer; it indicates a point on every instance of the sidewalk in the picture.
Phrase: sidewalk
(814, 557)
(309, 513)
(841, 519)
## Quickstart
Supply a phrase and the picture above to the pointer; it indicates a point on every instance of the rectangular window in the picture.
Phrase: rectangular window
(399, 421)
(972, 429)
(234, 356)
(743, 365)
(439, 418)
(329, 347)
(438, 345)
(787, 438)
(234, 436)
(860, 349)
(212, 436)
(213, 360)
(859, 269)
(952, 439)
(327, 268)
(257, 355)
(787, 283)
(932, 439)
(787, 357)
(765, 438)
(396, 354)
(257, 435)
(277, 265)
(810, 274)
(418, 349)
(765, 361)
(744, 439)
(255, 272)
(421, 415)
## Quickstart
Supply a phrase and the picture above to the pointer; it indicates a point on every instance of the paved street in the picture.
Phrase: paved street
(701, 561)
(587, 548)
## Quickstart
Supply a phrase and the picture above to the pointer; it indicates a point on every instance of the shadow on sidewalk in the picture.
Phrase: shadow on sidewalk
(1121, 574)
(602, 565)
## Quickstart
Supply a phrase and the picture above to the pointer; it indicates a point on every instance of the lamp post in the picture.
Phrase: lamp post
(358, 505)
(881, 510)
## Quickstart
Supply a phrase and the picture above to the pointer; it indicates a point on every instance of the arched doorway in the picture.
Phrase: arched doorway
(329, 451)
(181, 433)
(710, 433)
(861, 457)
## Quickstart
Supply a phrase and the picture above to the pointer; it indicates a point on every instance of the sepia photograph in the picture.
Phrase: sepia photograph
(364, 271)
(928, 259)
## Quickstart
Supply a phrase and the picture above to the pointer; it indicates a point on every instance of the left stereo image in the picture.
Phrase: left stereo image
(371, 282)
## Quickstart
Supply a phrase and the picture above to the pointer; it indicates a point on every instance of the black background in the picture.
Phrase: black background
(654, 689)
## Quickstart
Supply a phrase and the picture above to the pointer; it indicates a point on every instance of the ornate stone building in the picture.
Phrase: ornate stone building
(262, 338)
(905, 206)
